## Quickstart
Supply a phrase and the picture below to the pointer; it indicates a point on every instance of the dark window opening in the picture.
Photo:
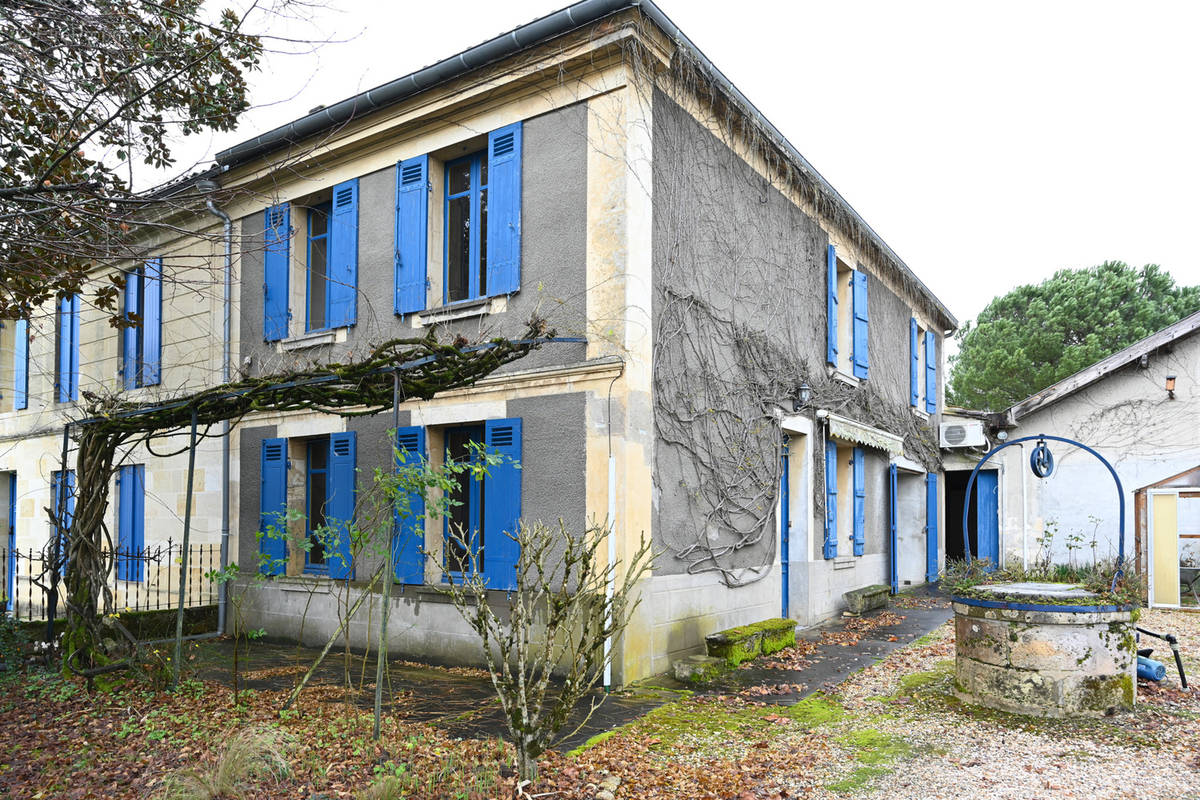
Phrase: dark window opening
(318, 267)
(466, 228)
(464, 522)
(316, 496)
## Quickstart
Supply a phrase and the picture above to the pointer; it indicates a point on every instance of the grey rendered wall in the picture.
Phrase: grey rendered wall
(737, 249)
(423, 624)
(553, 258)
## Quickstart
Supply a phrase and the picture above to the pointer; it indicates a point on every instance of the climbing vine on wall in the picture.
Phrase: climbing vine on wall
(739, 320)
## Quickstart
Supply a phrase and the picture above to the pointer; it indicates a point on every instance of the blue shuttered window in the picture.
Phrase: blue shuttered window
(504, 210)
(861, 339)
(59, 492)
(21, 366)
(339, 508)
(343, 256)
(272, 520)
(141, 341)
(276, 239)
(412, 233)
(860, 500)
(831, 466)
(410, 519)
(931, 365)
(914, 372)
(131, 521)
(502, 503)
(66, 373)
(931, 527)
(831, 295)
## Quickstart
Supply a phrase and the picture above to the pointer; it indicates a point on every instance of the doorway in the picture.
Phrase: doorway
(983, 515)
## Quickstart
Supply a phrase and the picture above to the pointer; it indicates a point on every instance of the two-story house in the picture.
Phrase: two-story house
(759, 375)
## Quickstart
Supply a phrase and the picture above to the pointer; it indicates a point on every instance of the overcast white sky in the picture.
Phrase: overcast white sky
(989, 144)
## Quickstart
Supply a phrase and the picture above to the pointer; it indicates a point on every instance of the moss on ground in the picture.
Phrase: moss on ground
(857, 780)
(709, 718)
(872, 746)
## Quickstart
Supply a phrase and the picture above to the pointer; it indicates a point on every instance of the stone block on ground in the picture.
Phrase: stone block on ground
(735, 645)
(777, 634)
(868, 598)
(698, 669)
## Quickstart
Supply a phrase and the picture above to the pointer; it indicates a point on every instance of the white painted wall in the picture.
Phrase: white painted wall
(1129, 419)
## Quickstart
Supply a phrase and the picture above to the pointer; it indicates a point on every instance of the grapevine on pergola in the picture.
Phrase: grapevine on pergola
(419, 367)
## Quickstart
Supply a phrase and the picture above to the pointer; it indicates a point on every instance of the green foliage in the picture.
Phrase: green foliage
(1035, 336)
(12, 642)
(89, 87)
(963, 580)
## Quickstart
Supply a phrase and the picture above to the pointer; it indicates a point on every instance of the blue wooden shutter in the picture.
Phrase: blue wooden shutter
(21, 366)
(131, 521)
(151, 354)
(129, 336)
(339, 508)
(343, 256)
(831, 321)
(412, 233)
(893, 529)
(276, 266)
(914, 373)
(860, 500)
(74, 373)
(504, 210)
(931, 365)
(272, 520)
(931, 527)
(987, 520)
(502, 503)
(124, 521)
(861, 339)
(410, 537)
(830, 500)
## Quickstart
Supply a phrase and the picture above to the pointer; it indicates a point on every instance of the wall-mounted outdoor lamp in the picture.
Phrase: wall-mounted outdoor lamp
(803, 395)
(1171, 386)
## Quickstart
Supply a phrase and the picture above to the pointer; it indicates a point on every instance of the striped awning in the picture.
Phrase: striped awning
(844, 428)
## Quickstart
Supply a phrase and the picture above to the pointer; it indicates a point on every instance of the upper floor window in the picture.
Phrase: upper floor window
(141, 341)
(317, 294)
(848, 312)
(479, 217)
(466, 228)
(922, 377)
(330, 264)
(66, 346)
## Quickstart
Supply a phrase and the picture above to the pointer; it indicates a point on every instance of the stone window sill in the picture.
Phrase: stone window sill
(313, 339)
(844, 377)
(467, 309)
(844, 562)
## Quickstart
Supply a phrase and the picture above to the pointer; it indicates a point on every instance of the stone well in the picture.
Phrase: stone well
(1045, 649)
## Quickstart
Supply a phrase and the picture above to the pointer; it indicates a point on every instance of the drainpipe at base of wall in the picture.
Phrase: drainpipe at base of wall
(226, 355)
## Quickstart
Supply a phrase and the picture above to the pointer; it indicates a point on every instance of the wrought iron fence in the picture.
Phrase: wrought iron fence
(141, 580)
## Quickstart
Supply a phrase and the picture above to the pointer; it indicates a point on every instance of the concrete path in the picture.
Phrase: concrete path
(463, 703)
(840, 650)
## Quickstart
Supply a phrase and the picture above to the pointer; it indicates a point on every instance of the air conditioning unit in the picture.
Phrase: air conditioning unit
(963, 434)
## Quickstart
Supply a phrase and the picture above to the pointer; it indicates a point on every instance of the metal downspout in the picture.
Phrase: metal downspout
(226, 358)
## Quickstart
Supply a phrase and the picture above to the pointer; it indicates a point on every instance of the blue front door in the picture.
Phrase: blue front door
(987, 514)
(931, 528)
